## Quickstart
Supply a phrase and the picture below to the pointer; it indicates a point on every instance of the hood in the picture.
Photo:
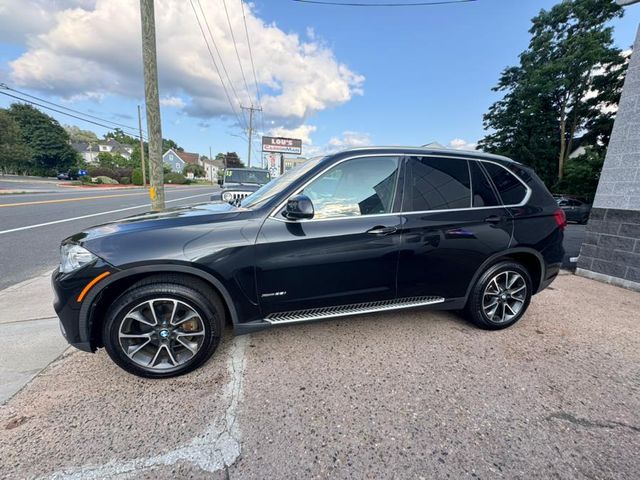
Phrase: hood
(242, 186)
(208, 213)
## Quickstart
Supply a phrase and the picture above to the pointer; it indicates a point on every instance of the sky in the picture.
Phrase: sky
(336, 77)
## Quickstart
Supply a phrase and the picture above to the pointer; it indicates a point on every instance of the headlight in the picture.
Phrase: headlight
(227, 196)
(73, 256)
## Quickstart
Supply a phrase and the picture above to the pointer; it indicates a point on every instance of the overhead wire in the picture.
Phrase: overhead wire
(226, 92)
(224, 68)
(103, 120)
(253, 66)
(370, 4)
(62, 112)
(235, 46)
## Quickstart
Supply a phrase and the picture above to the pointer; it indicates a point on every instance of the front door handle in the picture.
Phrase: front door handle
(381, 230)
(493, 219)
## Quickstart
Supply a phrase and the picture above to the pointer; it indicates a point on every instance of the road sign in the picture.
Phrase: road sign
(282, 145)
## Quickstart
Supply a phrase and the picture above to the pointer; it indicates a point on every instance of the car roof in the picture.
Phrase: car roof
(428, 151)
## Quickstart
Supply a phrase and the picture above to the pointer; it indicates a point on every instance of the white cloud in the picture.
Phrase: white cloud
(175, 102)
(91, 48)
(460, 144)
(303, 132)
(350, 140)
(347, 139)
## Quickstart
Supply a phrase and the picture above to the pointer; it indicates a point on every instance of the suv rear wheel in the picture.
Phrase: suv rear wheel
(159, 329)
(500, 297)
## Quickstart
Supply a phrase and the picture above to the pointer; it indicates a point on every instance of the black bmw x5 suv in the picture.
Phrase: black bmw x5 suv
(360, 231)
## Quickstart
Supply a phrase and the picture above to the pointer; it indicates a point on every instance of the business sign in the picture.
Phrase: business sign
(282, 145)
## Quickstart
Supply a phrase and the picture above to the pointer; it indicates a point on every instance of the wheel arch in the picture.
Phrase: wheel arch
(91, 315)
(531, 259)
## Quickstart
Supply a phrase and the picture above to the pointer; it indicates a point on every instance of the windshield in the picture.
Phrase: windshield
(259, 177)
(274, 187)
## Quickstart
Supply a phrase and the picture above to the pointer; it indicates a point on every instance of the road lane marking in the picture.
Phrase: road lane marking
(40, 202)
(28, 227)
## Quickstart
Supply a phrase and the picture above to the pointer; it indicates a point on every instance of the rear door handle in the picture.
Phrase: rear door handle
(493, 219)
(380, 230)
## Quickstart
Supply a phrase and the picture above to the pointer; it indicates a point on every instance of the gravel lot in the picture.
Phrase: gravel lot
(416, 394)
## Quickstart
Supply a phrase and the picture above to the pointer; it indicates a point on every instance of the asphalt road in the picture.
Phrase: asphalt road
(33, 224)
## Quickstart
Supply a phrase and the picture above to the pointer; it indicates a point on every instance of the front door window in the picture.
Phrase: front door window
(361, 186)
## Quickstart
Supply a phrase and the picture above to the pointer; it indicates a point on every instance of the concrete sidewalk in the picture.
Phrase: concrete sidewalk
(30, 338)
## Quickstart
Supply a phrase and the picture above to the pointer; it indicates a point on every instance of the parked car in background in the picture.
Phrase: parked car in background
(238, 183)
(361, 231)
(576, 209)
(71, 174)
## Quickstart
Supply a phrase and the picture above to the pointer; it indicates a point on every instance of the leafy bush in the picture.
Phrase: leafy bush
(106, 180)
(125, 180)
(175, 178)
(197, 170)
(136, 177)
(114, 173)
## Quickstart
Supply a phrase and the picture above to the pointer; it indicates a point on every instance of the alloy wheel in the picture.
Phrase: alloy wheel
(504, 296)
(161, 334)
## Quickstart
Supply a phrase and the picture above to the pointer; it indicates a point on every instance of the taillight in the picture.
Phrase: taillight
(561, 218)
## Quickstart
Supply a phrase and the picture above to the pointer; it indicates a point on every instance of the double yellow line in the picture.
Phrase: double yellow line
(63, 200)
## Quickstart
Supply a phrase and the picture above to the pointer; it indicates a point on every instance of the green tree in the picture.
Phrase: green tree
(197, 170)
(565, 78)
(48, 141)
(77, 135)
(232, 160)
(113, 160)
(582, 174)
(167, 143)
(119, 136)
(15, 155)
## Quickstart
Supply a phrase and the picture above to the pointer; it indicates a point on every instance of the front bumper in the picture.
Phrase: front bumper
(67, 287)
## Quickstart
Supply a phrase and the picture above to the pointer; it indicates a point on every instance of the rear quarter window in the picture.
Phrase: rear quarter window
(511, 190)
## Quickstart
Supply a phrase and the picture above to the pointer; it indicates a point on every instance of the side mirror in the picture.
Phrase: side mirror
(220, 181)
(299, 207)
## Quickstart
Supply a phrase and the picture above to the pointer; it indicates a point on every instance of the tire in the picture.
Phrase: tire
(182, 331)
(490, 287)
(584, 220)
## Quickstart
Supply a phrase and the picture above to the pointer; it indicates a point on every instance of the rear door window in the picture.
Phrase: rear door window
(511, 190)
(434, 183)
(483, 192)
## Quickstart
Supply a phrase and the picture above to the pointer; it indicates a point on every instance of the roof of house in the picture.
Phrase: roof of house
(188, 157)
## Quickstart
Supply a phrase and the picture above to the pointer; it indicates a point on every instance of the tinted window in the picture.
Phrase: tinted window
(436, 184)
(510, 188)
(483, 193)
(362, 186)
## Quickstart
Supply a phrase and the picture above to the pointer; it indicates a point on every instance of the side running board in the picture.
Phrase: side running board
(353, 309)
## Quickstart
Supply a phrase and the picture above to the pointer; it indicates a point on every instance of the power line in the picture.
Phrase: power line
(366, 4)
(224, 68)
(226, 92)
(253, 67)
(235, 46)
(65, 113)
(7, 87)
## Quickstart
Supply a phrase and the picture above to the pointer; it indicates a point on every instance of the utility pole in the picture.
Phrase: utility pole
(152, 101)
(211, 165)
(144, 168)
(251, 110)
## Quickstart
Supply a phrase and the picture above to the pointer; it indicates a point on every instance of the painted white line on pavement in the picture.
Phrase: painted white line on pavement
(28, 227)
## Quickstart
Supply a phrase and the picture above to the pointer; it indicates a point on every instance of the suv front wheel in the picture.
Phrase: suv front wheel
(500, 297)
(159, 329)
